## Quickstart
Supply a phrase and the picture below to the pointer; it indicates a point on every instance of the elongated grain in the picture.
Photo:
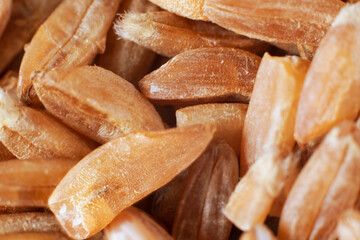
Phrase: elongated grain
(73, 34)
(29, 183)
(341, 195)
(299, 22)
(331, 90)
(254, 195)
(26, 18)
(120, 173)
(169, 34)
(188, 216)
(327, 185)
(28, 222)
(270, 119)
(96, 102)
(223, 181)
(209, 183)
(30, 133)
(203, 75)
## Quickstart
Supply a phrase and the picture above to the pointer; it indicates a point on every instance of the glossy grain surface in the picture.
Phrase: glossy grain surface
(270, 119)
(331, 91)
(29, 183)
(76, 41)
(283, 21)
(30, 133)
(169, 34)
(96, 102)
(26, 18)
(120, 173)
(203, 75)
(328, 185)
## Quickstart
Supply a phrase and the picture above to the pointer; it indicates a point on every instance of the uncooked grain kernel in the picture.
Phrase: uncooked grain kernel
(207, 187)
(169, 35)
(121, 172)
(26, 18)
(30, 133)
(76, 41)
(107, 139)
(284, 21)
(32, 226)
(328, 185)
(29, 183)
(203, 75)
(253, 197)
(28, 222)
(330, 94)
(270, 119)
(96, 102)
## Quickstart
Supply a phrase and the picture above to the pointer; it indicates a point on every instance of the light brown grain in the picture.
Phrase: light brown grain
(120, 173)
(31, 133)
(208, 185)
(169, 34)
(203, 75)
(270, 119)
(331, 90)
(26, 18)
(96, 102)
(76, 41)
(327, 185)
(298, 22)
